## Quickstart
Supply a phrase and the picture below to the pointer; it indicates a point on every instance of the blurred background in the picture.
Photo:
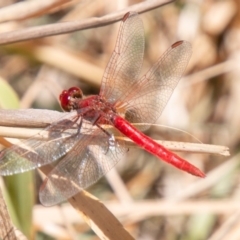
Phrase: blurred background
(204, 105)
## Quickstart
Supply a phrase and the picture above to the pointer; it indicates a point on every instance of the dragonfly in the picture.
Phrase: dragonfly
(88, 140)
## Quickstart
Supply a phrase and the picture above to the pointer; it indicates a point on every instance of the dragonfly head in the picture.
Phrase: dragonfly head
(69, 98)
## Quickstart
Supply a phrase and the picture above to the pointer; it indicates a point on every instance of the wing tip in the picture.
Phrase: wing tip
(125, 17)
(128, 15)
(176, 44)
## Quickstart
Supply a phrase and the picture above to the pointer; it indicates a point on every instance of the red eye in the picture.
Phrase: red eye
(75, 92)
(65, 100)
(68, 98)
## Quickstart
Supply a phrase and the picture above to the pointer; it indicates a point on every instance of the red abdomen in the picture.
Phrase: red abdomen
(153, 147)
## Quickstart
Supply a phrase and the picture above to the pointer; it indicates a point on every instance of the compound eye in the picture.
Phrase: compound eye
(75, 92)
(65, 100)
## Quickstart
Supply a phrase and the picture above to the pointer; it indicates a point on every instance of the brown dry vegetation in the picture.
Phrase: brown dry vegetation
(154, 201)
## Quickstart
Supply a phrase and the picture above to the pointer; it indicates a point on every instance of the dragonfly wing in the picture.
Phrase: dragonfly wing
(32, 153)
(88, 161)
(142, 100)
(125, 64)
(145, 103)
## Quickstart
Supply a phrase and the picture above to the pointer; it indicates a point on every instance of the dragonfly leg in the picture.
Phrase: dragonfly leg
(111, 138)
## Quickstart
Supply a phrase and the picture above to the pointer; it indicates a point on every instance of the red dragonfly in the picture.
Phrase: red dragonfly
(87, 140)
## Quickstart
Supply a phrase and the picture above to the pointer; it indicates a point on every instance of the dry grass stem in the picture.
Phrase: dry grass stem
(67, 27)
(24, 133)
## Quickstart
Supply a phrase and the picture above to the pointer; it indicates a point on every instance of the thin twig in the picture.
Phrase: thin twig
(189, 147)
(67, 27)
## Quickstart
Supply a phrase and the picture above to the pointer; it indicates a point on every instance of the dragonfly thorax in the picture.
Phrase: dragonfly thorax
(95, 108)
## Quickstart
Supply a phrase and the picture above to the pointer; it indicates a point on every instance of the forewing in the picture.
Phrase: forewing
(145, 102)
(124, 66)
(89, 160)
(32, 153)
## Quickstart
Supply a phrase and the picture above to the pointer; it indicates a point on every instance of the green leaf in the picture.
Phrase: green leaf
(8, 97)
(20, 188)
